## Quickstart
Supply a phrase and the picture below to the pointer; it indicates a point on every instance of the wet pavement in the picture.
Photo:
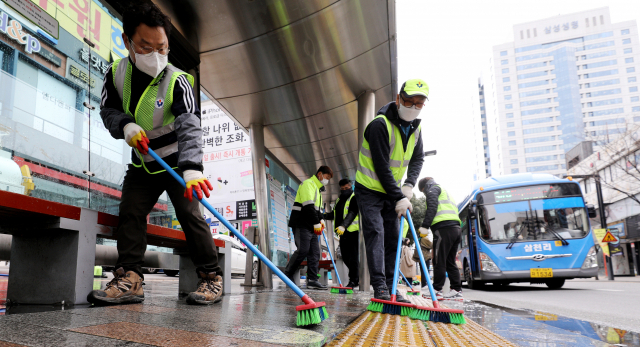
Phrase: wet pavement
(249, 317)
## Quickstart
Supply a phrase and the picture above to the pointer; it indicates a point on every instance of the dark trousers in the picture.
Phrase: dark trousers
(445, 248)
(380, 232)
(349, 251)
(140, 192)
(307, 247)
(424, 273)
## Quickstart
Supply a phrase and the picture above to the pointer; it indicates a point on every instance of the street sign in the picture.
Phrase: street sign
(599, 234)
(608, 237)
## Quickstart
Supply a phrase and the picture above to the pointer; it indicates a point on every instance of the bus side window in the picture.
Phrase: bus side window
(464, 226)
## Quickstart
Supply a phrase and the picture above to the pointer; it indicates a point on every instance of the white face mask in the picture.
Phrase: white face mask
(408, 113)
(324, 181)
(152, 64)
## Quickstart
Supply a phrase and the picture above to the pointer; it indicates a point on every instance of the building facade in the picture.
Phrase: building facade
(564, 80)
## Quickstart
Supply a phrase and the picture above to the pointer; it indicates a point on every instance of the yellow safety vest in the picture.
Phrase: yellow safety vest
(447, 208)
(398, 157)
(355, 225)
(153, 112)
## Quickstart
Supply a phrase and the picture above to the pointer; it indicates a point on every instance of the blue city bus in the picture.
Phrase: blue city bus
(526, 228)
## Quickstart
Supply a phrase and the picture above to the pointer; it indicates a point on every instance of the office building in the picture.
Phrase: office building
(564, 80)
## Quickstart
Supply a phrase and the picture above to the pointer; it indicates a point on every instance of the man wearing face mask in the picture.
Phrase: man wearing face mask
(392, 146)
(150, 104)
(307, 222)
(345, 215)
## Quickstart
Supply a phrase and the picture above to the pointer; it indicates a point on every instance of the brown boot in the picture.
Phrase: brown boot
(209, 290)
(124, 288)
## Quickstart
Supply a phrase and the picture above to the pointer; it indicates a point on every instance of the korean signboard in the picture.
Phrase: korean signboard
(227, 163)
(13, 29)
(79, 75)
(36, 15)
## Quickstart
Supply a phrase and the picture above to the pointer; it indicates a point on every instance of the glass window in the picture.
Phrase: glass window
(536, 111)
(606, 102)
(537, 120)
(511, 133)
(507, 88)
(513, 152)
(605, 92)
(600, 64)
(507, 97)
(506, 79)
(628, 60)
(512, 143)
(631, 79)
(531, 66)
(535, 102)
(537, 130)
(533, 84)
(624, 32)
(514, 161)
(504, 62)
(635, 98)
(509, 115)
(541, 158)
(540, 149)
(635, 109)
(599, 45)
(626, 41)
(533, 74)
(508, 106)
(602, 83)
(631, 69)
(606, 112)
(503, 53)
(539, 139)
(598, 55)
(542, 168)
(601, 73)
(633, 89)
(627, 50)
(510, 125)
(514, 171)
(505, 70)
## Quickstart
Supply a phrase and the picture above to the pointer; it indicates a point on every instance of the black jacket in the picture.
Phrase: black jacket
(432, 192)
(378, 137)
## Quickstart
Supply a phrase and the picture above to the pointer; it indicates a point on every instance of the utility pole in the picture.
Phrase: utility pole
(603, 218)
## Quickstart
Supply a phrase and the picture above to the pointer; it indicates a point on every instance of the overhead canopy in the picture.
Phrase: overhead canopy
(296, 66)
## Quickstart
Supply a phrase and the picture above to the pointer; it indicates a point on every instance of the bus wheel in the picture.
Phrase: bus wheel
(555, 283)
(471, 283)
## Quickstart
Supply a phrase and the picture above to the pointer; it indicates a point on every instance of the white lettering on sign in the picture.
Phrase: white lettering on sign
(537, 247)
(528, 248)
(546, 246)
(13, 29)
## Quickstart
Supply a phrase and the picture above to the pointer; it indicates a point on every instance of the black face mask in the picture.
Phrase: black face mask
(345, 193)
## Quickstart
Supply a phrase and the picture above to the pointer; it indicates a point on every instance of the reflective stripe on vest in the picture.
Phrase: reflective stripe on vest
(398, 158)
(447, 208)
(355, 225)
(153, 112)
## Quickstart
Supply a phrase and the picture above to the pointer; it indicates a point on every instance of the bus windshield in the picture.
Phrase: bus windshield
(534, 220)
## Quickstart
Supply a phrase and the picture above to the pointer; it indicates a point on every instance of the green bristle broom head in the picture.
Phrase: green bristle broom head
(457, 318)
(335, 290)
(413, 293)
(313, 316)
(375, 306)
(406, 311)
(419, 314)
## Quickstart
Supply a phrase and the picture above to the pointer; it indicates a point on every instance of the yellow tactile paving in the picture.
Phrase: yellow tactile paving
(384, 330)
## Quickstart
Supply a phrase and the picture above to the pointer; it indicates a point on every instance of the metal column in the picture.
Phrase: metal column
(603, 223)
(256, 132)
(366, 113)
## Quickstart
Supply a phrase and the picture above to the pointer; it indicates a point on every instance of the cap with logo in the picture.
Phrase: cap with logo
(415, 87)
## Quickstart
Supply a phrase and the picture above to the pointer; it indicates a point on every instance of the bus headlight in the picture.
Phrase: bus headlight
(591, 260)
(486, 264)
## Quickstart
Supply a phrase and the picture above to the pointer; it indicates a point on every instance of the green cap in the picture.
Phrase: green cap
(415, 87)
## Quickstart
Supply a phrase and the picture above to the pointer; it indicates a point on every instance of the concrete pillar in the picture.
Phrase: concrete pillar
(256, 133)
(366, 113)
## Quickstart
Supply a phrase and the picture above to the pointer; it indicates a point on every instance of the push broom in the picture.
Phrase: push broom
(309, 313)
(412, 291)
(435, 313)
(340, 289)
(392, 306)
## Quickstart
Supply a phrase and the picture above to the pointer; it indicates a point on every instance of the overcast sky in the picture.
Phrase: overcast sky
(448, 44)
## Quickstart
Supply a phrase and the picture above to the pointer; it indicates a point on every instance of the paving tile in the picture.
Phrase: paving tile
(55, 319)
(9, 344)
(33, 335)
(158, 336)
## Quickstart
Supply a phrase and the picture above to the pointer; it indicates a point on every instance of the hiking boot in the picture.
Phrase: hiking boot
(209, 290)
(454, 295)
(124, 288)
(400, 298)
(316, 285)
(352, 285)
(381, 293)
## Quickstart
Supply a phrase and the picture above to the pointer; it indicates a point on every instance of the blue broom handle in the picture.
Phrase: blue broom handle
(226, 223)
(422, 262)
(405, 279)
(331, 256)
(398, 251)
